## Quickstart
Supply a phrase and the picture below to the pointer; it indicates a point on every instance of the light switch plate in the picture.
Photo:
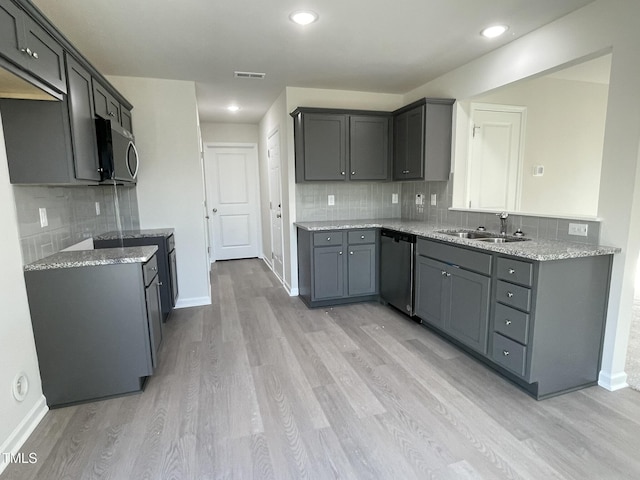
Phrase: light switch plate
(97, 208)
(43, 217)
(434, 199)
(394, 198)
(331, 199)
(579, 229)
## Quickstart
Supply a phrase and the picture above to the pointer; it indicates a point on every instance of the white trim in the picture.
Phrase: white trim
(612, 382)
(193, 302)
(23, 430)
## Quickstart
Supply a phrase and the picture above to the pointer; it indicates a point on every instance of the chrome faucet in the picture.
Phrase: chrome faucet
(503, 222)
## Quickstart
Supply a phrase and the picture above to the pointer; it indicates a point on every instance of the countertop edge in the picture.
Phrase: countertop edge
(93, 258)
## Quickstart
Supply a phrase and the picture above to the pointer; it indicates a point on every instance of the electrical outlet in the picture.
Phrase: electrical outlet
(97, 208)
(394, 198)
(43, 217)
(579, 229)
(434, 199)
(331, 200)
(419, 199)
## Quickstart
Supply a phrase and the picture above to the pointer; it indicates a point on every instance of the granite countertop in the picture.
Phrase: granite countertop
(146, 233)
(91, 258)
(533, 249)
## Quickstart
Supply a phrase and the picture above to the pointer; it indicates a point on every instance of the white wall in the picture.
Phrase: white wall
(229, 132)
(602, 26)
(170, 187)
(17, 347)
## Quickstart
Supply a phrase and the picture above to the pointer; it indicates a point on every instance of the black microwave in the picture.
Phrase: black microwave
(116, 152)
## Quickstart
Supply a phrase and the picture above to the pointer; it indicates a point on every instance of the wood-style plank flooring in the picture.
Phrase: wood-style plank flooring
(257, 386)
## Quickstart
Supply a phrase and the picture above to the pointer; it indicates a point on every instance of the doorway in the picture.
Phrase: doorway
(496, 145)
(275, 203)
(231, 172)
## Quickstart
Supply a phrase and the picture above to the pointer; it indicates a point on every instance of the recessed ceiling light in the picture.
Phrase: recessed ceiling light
(233, 108)
(494, 31)
(303, 17)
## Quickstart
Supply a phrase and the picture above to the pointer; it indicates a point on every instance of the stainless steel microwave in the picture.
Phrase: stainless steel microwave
(116, 151)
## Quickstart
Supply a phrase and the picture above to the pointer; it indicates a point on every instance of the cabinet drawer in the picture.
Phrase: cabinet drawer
(469, 259)
(362, 236)
(509, 354)
(171, 243)
(515, 271)
(513, 295)
(327, 239)
(511, 323)
(149, 270)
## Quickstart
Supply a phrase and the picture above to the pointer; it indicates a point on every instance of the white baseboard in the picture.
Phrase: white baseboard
(193, 302)
(612, 382)
(21, 433)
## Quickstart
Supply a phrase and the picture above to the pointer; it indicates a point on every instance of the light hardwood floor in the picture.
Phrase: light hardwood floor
(257, 386)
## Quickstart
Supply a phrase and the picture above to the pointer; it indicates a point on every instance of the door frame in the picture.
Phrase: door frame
(247, 145)
(276, 131)
(500, 108)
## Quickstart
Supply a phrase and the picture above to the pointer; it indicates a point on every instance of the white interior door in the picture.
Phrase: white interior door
(232, 183)
(275, 203)
(495, 167)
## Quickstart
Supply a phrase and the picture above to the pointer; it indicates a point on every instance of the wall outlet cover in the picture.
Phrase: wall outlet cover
(331, 199)
(434, 200)
(97, 208)
(419, 199)
(394, 198)
(579, 229)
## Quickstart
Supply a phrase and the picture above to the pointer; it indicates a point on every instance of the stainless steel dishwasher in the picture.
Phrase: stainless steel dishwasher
(396, 270)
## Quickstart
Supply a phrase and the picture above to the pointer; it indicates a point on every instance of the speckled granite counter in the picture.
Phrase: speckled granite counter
(90, 258)
(534, 249)
(146, 233)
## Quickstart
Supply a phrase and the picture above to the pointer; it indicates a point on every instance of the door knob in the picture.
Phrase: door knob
(278, 215)
(215, 210)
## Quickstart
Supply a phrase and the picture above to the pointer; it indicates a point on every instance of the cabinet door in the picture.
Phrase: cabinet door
(125, 119)
(46, 59)
(362, 269)
(106, 105)
(328, 272)
(468, 308)
(81, 115)
(325, 146)
(154, 317)
(414, 165)
(11, 32)
(437, 144)
(173, 275)
(432, 290)
(369, 147)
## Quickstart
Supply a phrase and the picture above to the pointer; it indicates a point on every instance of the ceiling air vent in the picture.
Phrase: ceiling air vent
(249, 75)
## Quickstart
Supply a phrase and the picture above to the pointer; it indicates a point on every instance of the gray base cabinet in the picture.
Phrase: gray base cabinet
(337, 266)
(97, 329)
(342, 145)
(422, 140)
(540, 324)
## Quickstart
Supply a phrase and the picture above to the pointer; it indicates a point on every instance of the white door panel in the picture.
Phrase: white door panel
(232, 182)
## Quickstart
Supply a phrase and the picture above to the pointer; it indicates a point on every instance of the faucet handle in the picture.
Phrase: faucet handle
(502, 215)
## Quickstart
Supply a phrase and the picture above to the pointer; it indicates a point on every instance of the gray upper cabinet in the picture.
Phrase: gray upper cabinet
(106, 105)
(340, 145)
(422, 140)
(27, 45)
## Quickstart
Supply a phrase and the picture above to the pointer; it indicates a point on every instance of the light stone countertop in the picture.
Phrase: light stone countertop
(90, 258)
(533, 249)
(140, 233)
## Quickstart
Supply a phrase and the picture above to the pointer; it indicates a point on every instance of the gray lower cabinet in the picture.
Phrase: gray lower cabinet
(540, 324)
(27, 45)
(337, 266)
(342, 145)
(422, 140)
(97, 329)
(452, 298)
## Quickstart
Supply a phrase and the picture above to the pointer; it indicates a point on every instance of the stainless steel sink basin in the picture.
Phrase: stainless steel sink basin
(486, 237)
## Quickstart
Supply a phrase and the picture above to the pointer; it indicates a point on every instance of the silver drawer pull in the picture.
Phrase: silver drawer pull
(350, 253)
(155, 269)
(505, 353)
(507, 322)
(328, 239)
(362, 237)
(511, 271)
(339, 253)
(443, 273)
(353, 173)
(342, 173)
(510, 294)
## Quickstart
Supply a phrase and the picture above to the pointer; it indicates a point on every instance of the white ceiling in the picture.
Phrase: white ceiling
(365, 45)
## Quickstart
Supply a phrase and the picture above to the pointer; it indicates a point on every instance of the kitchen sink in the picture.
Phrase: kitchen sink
(487, 237)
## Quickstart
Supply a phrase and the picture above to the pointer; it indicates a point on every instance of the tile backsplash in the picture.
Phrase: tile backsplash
(353, 200)
(71, 214)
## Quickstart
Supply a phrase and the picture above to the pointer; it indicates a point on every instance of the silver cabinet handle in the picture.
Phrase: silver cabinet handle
(507, 322)
(159, 284)
(448, 274)
(353, 173)
(35, 55)
(111, 114)
(343, 173)
(505, 353)
(350, 253)
(362, 237)
(511, 271)
(155, 269)
(443, 273)
(510, 294)
(339, 253)
(328, 239)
